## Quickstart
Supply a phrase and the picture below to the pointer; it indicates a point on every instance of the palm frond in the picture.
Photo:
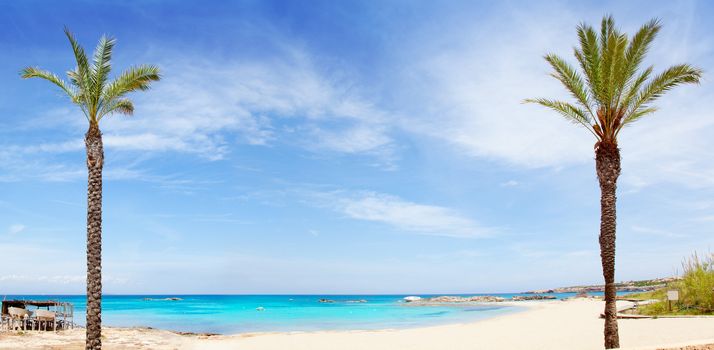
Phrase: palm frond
(607, 26)
(122, 106)
(634, 87)
(572, 81)
(637, 115)
(618, 74)
(665, 81)
(639, 46)
(590, 61)
(568, 111)
(133, 79)
(34, 72)
(87, 85)
(612, 91)
(610, 49)
(83, 74)
(101, 65)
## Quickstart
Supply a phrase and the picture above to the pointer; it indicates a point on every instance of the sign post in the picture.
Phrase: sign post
(672, 295)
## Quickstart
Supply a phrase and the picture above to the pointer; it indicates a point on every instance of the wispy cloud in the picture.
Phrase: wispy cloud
(656, 232)
(16, 228)
(60, 279)
(57, 279)
(205, 106)
(404, 215)
(477, 98)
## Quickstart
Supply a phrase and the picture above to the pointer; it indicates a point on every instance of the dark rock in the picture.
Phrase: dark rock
(533, 297)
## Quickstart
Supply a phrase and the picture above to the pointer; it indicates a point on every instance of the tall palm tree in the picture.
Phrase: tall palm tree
(611, 92)
(89, 88)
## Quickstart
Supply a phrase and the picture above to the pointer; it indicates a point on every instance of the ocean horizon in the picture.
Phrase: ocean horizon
(244, 313)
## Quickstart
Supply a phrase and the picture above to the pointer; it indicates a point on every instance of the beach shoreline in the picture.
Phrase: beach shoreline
(553, 325)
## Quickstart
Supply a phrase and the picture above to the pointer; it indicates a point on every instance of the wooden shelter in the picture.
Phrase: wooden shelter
(62, 312)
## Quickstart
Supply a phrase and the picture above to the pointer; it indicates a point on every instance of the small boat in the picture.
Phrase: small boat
(260, 308)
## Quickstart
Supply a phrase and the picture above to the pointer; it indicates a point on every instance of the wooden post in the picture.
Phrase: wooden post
(672, 295)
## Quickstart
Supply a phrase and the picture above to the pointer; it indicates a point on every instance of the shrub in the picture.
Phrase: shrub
(697, 284)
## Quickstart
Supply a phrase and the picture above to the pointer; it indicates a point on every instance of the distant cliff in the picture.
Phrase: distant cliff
(630, 286)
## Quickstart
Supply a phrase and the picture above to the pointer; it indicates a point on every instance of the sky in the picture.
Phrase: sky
(344, 147)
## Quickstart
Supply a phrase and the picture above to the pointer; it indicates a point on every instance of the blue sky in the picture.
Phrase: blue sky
(343, 147)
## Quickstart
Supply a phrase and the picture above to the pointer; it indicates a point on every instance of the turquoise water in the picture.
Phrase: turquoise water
(229, 314)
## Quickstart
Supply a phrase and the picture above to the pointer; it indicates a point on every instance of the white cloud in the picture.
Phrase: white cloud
(356, 139)
(468, 94)
(204, 107)
(404, 215)
(55, 269)
(510, 183)
(706, 218)
(59, 147)
(59, 279)
(674, 145)
(16, 228)
(656, 232)
(456, 85)
(201, 106)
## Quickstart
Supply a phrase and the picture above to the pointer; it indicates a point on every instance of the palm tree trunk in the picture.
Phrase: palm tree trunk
(607, 163)
(95, 163)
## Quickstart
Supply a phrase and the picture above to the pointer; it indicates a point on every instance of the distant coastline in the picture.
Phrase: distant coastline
(629, 286)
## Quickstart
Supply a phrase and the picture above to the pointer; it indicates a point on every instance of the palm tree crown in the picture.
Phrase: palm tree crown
(612, 90)
(88, 85)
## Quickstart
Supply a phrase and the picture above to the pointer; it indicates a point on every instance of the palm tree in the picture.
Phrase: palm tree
(90, 89)
(611, 92)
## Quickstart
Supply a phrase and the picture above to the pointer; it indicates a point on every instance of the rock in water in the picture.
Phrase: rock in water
(533, 297)
(447, 299)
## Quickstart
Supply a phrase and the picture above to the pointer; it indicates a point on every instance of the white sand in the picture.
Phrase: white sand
(552, 325)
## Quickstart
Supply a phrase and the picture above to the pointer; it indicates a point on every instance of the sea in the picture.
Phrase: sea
(232, 314)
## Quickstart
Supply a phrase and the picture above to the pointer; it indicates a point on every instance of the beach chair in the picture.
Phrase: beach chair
(19, 318)
(44, 319)
(65, 316)
(4, 322)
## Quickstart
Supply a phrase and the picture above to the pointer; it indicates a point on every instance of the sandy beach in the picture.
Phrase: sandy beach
(552, 325)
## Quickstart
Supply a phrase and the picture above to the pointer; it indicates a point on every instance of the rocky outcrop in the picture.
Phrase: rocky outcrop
(582, 294)
(456, 299)
(540, 291)
(533, 297)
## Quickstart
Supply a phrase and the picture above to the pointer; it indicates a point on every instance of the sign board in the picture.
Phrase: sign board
(672, 295)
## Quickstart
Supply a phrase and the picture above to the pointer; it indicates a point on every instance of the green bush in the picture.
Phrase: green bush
(696, 291)
(697, 285)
